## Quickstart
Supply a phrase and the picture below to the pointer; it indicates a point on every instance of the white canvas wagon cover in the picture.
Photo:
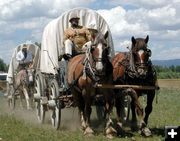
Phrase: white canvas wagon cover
(52, 40)
(34, 49)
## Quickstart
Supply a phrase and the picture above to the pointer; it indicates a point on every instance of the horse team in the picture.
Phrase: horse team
(132, 68)
(126, 68)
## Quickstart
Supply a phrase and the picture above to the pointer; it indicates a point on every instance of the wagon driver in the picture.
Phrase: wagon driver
(25, 62)
(24, 58)
(75, 37)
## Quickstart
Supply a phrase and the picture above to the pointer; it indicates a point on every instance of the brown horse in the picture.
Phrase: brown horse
(135, 68)
(83, 72)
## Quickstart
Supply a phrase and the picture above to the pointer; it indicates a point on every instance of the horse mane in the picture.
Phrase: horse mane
(131, 61)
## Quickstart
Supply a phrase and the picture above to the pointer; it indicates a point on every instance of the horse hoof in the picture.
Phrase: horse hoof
(146, 132)
(88, 131)
(9, 97)
(83, 126)
(120, 131)
(110, 131)
(109, 136)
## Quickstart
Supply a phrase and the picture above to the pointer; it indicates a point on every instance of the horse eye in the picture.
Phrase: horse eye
(149, 52)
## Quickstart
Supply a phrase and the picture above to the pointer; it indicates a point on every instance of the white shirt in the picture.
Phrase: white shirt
(21, 58)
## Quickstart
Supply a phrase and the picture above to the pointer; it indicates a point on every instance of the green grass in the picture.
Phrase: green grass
(165, 112)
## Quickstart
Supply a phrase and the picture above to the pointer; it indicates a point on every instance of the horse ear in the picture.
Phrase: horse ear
(106, 35)
(133, 40)
(147, 39)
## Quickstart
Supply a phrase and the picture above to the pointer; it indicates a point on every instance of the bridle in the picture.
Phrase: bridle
(147, 53)
(138, 67)
(91, 60)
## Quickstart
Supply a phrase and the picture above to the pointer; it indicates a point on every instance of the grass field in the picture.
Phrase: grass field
(22, 125)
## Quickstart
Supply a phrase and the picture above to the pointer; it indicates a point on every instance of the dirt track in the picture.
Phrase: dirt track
(69, 116)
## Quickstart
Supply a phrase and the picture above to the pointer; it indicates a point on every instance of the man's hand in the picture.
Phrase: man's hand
(31, 65)
(67, 56)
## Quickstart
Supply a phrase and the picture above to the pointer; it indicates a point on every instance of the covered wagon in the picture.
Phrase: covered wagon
(13, 88)
(51, 93)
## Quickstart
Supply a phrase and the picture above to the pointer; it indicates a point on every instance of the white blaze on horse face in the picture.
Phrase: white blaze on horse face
(141, 56)
(99, 65)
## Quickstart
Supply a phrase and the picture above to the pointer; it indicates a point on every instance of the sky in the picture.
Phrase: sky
(24, 20)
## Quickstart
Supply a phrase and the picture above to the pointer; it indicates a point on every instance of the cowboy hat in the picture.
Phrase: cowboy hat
(73, 16)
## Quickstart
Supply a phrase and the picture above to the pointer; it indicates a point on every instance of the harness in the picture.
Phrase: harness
(131, 66)
(88, 70)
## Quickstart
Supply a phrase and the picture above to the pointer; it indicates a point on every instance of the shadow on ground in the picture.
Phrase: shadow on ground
(158, 131)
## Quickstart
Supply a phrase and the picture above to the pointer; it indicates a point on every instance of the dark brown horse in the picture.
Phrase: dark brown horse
(135, 68)
(83, 72)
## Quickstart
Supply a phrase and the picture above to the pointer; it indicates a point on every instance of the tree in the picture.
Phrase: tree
(38, 44)
(177, 68)
(172, 68)
(3, 66)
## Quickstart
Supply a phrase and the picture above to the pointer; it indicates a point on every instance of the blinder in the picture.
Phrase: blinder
(92, 48)
(149, 52)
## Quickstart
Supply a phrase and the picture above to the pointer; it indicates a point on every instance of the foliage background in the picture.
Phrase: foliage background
(170, 72)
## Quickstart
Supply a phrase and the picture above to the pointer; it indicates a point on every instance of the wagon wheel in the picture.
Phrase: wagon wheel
(39, 87)
(56, 108)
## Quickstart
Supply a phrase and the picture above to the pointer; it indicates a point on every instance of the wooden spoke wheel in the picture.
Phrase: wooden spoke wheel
(56, 109)
(39, 87)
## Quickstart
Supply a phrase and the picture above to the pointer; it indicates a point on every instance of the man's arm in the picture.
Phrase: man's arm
(66, 36)
(69, 34)
(88, 34)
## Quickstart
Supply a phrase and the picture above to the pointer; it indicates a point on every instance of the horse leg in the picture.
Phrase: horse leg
(87, 111)
(109, 99)
(26, 97)
(144, 129)
(134, 123)
(82, 119)
(20, 93)
(78, 100)
(149, 107)
(119, 104)
(136, 109)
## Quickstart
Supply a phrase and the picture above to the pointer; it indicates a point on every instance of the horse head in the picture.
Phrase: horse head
(140, 55)
(100, 52)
